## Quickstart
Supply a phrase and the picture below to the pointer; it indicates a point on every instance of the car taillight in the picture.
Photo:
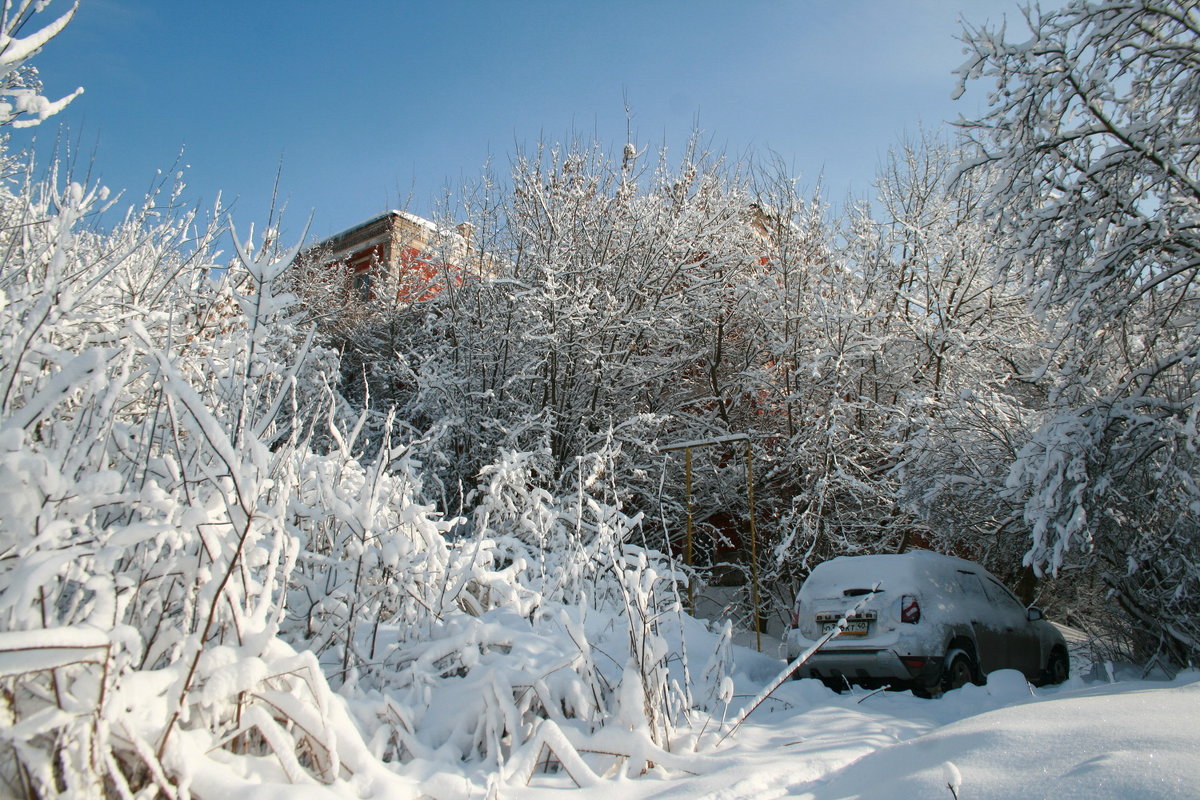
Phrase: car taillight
(910, 609)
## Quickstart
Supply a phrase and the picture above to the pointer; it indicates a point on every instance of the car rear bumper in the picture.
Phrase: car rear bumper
(870, 666)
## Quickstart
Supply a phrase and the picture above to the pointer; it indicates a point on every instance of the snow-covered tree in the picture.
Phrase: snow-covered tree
(1090, 134)
(21, 103)
(961, 346)
(605, 311)
(820, 411)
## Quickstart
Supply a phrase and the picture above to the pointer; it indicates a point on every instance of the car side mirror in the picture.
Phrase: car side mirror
(1033, 614)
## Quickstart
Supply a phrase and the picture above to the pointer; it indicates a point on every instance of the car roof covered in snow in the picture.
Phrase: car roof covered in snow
(889, 568)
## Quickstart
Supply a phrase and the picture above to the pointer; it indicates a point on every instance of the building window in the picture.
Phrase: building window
(362, 286)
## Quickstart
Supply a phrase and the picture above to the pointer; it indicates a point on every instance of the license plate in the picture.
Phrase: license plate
(854, 627)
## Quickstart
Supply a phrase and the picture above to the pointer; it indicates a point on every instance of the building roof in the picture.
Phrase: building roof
(365, 233)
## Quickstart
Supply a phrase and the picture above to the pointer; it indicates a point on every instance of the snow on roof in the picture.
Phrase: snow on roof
(432, 227)
(413, 218)
(888, 565)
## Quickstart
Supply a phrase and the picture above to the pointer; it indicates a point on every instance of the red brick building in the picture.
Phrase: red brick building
(397, 251)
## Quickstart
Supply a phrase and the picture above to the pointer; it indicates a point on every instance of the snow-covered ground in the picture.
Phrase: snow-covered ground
(1005, 740)
(1107, 739)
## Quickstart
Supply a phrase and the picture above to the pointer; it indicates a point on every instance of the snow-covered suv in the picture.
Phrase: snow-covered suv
(926, 621)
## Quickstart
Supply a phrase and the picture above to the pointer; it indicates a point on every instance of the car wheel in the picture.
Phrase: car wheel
(958, 673)
(1058, 669)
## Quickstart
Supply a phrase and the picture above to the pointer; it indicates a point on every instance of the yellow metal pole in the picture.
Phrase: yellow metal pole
(687, 468)
(753, 548)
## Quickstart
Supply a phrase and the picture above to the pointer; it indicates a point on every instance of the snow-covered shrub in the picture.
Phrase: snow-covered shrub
(151, 431)
(185, 576)
(195, 548)
(716, 682)
(463, 641)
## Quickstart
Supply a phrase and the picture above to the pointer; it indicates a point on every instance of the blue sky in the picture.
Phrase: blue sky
(373, 104)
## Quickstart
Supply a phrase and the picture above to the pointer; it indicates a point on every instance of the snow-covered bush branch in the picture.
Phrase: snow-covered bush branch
(21, 103)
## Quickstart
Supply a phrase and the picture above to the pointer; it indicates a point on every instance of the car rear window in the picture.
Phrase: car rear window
(860, 592)
(971, 584)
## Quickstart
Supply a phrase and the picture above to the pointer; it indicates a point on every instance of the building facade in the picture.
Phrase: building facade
(396, 256)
